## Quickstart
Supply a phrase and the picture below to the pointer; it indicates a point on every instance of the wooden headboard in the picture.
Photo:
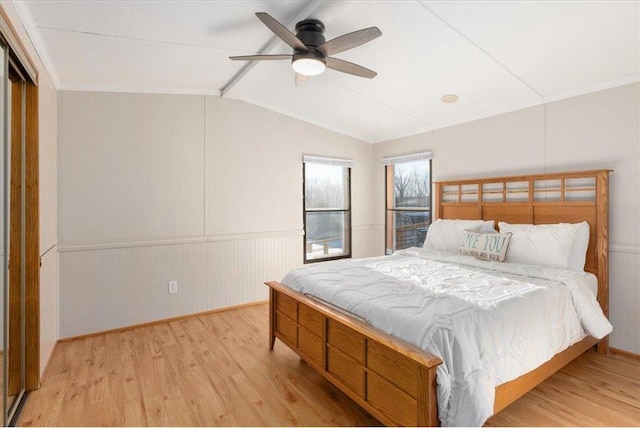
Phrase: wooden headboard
(567, 197)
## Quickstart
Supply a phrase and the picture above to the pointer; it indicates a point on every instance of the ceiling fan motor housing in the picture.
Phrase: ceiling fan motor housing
(311, 33)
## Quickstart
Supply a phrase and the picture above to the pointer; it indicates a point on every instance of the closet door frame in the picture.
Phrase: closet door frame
(32, 241)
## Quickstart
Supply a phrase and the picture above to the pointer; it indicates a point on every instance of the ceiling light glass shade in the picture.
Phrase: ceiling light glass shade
(308, 66)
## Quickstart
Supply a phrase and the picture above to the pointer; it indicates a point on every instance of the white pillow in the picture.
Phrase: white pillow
(488, 226)
(447, 235)
(578, 256)
(543, 244)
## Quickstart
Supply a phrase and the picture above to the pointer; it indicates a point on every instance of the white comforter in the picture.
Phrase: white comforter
(489, 322)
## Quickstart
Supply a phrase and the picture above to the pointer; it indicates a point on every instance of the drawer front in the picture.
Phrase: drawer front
(348, 371)
(346, 340)
(391, 401)
(310, 345)
(391, 365)
(286, 305)
(311, 319)
(287, 328)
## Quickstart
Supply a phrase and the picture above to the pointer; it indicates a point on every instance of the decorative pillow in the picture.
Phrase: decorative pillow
(578, 255)
(446, 235)
(543, 244)
(485, 246)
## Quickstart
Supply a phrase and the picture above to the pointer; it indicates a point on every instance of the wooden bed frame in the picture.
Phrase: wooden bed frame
(396, 381)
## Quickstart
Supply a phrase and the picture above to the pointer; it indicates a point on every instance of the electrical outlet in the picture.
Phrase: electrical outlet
(173, 287)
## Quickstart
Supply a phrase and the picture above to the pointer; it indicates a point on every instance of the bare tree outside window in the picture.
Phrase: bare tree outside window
(408, 204)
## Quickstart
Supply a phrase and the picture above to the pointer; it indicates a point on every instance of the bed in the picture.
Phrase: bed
(396, 380)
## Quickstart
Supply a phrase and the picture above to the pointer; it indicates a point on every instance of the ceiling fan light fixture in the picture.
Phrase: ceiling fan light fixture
(308, 66)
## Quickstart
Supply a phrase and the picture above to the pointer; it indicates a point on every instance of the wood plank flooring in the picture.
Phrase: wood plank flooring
(216, 370)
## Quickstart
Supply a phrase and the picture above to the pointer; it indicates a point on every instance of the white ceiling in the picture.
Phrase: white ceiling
(496, 56)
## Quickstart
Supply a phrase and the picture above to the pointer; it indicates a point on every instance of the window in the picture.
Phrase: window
(327, 208)
(408, 200)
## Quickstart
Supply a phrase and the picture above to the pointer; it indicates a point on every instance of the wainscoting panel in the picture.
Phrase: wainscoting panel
(238, 268)
(378, 240)
(624, 297)
(103, 287)
(362, 241)
(114, 286)
(48, 305)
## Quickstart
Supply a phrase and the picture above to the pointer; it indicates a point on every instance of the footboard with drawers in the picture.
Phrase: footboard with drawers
(391, 379)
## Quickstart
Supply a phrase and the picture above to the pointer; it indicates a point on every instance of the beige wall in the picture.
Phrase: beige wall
(598, 130)
(254, 163)
(131, 167)
(48, 194)
(199, 189)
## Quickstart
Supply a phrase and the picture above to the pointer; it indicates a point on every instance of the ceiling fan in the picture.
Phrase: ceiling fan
(311, 53)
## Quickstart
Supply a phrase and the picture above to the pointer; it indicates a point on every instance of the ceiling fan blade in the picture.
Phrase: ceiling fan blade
(301, 79)
(260, 57)
(349, 41)
(350, 68)
(281, 31)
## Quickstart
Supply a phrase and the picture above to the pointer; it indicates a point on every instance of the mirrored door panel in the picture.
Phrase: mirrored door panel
(15, 384)
(4, 248)
(14, 242)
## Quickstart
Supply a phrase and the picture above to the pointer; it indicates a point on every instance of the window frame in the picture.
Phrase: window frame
(390, 247)
(348, 232)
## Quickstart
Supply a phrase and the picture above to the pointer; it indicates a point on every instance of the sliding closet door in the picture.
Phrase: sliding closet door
(4, 250)
(15, 346)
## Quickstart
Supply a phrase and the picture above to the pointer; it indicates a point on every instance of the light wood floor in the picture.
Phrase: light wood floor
(217, 370)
